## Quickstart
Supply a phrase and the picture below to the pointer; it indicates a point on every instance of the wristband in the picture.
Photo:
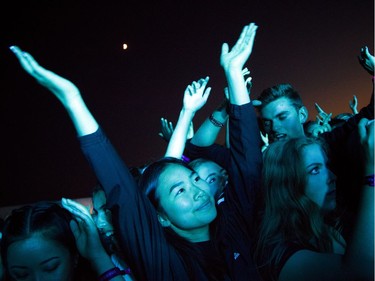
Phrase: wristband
(113, 272)
(215, 122)
(369, 180)
(185, 159)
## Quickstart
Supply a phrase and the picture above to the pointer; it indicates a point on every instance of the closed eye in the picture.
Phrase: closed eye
(20, 275)
(282, 117)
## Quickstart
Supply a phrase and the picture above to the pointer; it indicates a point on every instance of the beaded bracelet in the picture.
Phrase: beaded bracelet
(113, 272)
(215, 122)
(369, 180)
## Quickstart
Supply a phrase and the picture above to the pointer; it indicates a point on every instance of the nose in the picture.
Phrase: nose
(274, 126)
(331, 177)
(102, 221)
(199, 193)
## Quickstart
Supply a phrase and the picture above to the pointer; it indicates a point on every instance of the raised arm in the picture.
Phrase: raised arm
(88, 241)
(133, 214)
(64, 90)
(245, 141)
(208, 132)
(233, 62)
(195, 97)
(366, 60)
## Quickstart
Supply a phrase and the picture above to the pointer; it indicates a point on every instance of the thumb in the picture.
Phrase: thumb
(224, 49)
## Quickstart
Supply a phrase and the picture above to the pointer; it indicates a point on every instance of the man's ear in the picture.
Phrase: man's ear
(303, 114)
(164, 221)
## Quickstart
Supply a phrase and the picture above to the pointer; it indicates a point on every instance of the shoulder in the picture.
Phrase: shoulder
(308, 265)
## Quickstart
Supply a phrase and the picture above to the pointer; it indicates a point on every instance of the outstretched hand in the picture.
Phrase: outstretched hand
(367, 60)
(241, 51)
(167, 129)
(84, 230)
(196, 95)
(58, 85)
(322, 118)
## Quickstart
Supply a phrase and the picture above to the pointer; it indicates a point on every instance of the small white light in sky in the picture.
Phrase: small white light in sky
(124, 46)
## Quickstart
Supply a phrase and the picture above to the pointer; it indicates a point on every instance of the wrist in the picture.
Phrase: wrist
(189, 111)
(216, 122)
(101, 262)
(112, 273)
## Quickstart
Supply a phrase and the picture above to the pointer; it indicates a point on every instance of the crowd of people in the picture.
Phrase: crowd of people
(285, 198)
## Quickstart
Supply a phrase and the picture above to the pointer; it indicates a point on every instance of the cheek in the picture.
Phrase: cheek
(214, 187)
(316, 190)
(176, 208)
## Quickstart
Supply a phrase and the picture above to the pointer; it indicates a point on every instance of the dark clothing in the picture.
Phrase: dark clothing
(346, 162)
(140, 234)
(271, 271)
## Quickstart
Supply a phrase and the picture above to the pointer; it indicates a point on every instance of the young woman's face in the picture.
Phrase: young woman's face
(100, 214)
(214, 175)
(37, 258)
(185, 198)
(320, 181)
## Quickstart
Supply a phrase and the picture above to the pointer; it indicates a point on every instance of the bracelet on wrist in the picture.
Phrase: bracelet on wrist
(215, 122)
(369, 180)
(112, 273)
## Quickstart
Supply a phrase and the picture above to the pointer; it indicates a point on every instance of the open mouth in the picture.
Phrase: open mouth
(280, 136)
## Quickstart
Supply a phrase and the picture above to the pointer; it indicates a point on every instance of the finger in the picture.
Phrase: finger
(245, 71)
(206, 93)
(224, 49)
(76, 208)
(318, 108)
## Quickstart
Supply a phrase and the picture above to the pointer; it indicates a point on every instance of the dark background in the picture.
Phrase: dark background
(311, 44)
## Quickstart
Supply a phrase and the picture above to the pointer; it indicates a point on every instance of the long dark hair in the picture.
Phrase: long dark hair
(289, 215)
(190, 253)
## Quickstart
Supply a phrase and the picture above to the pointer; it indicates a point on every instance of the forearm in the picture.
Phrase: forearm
(103, 263)
(83, 121)
(359, 256)
(237, 86)
(177, 142)
(208, 132)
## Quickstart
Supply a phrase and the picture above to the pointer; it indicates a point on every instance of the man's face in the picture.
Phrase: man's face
(282, 120)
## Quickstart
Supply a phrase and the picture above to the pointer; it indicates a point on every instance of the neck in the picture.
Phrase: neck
(196, 235)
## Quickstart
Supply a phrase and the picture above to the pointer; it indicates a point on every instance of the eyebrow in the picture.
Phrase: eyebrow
(275, 116)
(212, 174)
(177, 184)
(43, 262)
(48, 260)
(314, 164)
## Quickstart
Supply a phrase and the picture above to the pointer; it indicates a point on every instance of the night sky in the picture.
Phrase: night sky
(312, 45)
